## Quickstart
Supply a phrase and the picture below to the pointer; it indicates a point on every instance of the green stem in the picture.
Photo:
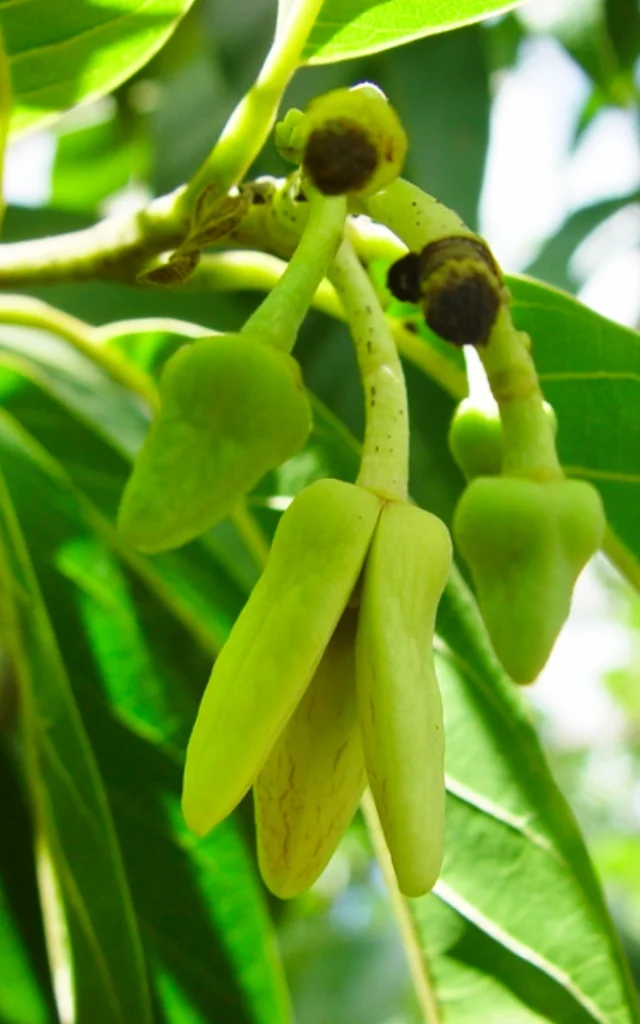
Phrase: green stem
(251, 535)
(118, 247)
(529, 442)
(416, 957)
(28, 312)
(415, 217)
(113, 249)
(258, 271)
(249, 126)
(385, 452)
(529, 447)
(278, 318)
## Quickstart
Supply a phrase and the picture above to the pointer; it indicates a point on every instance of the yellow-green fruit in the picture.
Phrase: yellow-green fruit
(312, 781)
(276, 645)
(353, 142)
(526, 543)
(398, 696)
(232, 408)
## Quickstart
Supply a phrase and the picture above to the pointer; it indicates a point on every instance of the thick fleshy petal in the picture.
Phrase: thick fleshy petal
(276, 645)
(312, 782)
(398, 696)
(232, 409)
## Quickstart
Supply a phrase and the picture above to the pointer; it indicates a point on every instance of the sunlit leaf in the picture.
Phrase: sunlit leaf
(61, 55)
(72, 817)
(352, 28)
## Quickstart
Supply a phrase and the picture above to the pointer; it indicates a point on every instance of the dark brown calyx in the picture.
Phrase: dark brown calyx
(458, 247)
(403, 278)
(339, 157)
(460, 289)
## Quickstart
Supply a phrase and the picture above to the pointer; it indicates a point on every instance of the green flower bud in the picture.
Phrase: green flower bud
(232, 408)
(353, 143)
(312, 674)
(526, 543)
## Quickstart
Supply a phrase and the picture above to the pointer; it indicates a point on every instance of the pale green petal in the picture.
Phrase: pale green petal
(276, 644)
(398, 695)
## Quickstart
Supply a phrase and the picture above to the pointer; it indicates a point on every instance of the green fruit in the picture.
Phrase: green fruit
(276, 645)
(398, 695)
(232, 408)
(311, 785)
(526, 543)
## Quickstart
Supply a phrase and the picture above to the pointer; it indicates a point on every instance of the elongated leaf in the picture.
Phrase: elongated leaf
(352, 28)
(516, 869)
(63, 54)
(26, 996)
(623, 24)
(5, 114)
(200, 909)
(69, 802)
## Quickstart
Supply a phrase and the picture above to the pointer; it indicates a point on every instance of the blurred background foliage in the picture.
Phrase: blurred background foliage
(559, 199)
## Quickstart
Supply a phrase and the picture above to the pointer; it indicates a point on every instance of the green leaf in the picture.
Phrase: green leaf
(589, 370)
(25, 994)
(95, 160)
(135, 669)
(552, 262)
(5, 113)
(623, 24)
(449, 137)
(63, 55)
(352, 28)
(528, 909)
(73, 822)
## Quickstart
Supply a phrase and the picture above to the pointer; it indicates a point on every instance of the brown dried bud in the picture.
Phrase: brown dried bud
(458, 284)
